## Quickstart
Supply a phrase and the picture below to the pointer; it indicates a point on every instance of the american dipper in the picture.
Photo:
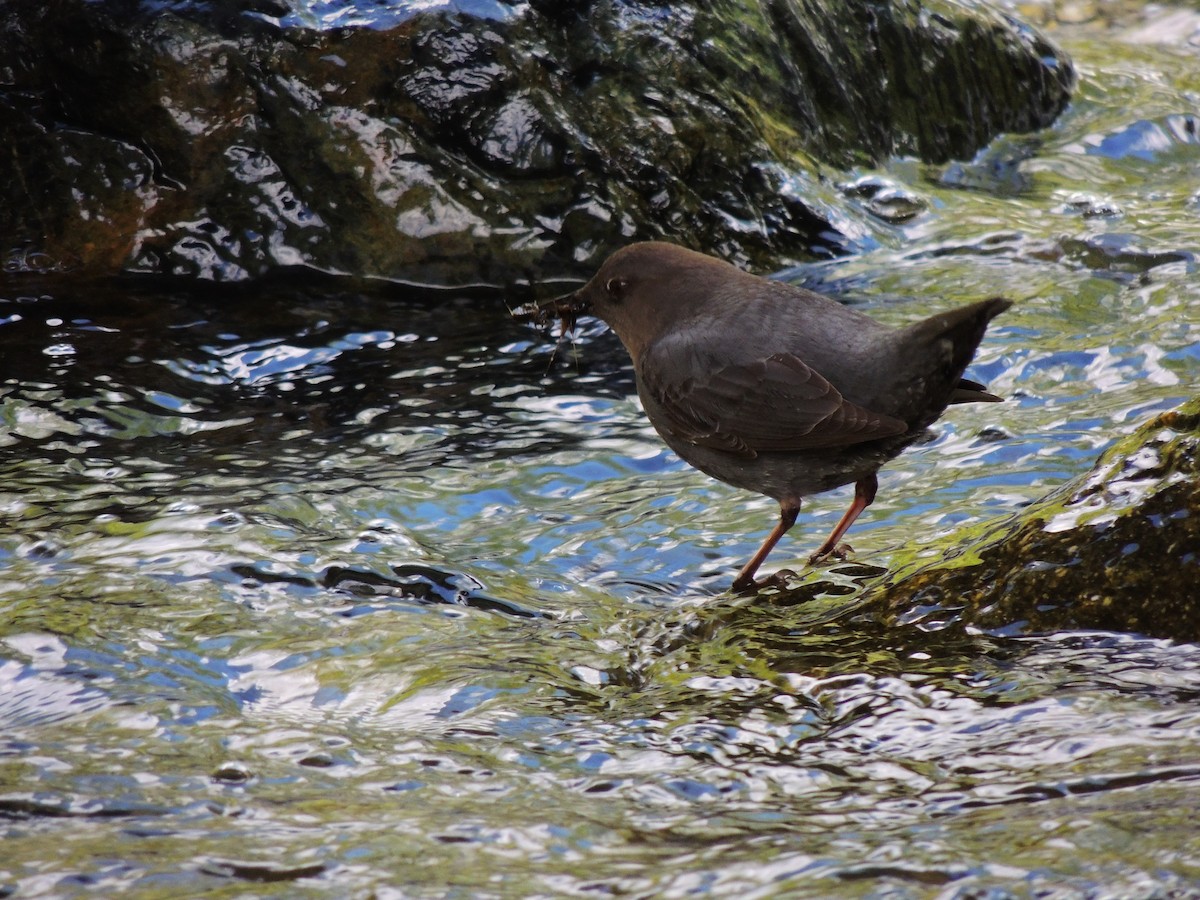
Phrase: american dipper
(774, 388)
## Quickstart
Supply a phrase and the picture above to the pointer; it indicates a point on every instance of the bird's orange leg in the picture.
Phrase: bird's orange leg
(864, 495)
(787, 518)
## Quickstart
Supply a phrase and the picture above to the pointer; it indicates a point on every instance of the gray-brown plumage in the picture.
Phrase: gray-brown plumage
(774, 388)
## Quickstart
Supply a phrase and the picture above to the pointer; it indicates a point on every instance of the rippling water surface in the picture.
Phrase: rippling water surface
(340, 591)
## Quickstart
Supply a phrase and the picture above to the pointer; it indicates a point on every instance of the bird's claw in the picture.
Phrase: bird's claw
(775, 580)
(840, 552)
(744, 585)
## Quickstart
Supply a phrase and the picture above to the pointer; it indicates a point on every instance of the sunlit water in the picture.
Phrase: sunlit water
(330, 592)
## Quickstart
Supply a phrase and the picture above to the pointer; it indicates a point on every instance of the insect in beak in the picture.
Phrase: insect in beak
(566, 308)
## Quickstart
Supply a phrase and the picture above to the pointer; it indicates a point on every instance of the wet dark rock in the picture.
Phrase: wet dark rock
(233, 773)
(1090, 207)
(1119, 254)
(892, 203)
(1117, 549)
(261, 872)
(997, 170)
(495, 144)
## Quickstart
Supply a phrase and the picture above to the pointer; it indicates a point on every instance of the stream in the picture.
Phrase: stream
(313, 588)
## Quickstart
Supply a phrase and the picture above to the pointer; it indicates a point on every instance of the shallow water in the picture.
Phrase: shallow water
(325, 590)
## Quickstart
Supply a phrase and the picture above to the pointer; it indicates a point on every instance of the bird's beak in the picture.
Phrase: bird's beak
(567, 309)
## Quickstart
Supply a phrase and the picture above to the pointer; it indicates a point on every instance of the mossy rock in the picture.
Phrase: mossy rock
(224, 140)
(1117, 549)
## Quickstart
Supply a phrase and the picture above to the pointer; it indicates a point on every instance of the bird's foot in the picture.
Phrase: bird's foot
(744, 585)
(840, 552)
(751, 586)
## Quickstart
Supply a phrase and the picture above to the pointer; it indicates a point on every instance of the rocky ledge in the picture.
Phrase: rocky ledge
(482, 142)
(1117, 549)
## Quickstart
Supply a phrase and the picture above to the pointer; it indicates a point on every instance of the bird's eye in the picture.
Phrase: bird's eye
(615, 288)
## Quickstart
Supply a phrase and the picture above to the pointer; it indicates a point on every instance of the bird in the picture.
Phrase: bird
(771, 387)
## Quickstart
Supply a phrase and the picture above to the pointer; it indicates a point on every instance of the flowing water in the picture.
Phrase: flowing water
(321, 589)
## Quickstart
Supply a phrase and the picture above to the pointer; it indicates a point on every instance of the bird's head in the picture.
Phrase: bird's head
(645, 289)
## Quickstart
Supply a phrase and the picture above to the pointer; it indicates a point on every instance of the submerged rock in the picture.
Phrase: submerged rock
(488, 141)
(1117, 549)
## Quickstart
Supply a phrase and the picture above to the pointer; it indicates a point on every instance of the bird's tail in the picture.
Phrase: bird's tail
(962, 329)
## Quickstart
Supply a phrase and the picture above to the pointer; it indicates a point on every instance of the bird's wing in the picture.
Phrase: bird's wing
(773, 404)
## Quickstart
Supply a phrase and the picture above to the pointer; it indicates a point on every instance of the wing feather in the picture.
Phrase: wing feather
(773, 404)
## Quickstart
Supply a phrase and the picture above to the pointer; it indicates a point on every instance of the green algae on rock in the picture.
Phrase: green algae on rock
(1117, 549)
